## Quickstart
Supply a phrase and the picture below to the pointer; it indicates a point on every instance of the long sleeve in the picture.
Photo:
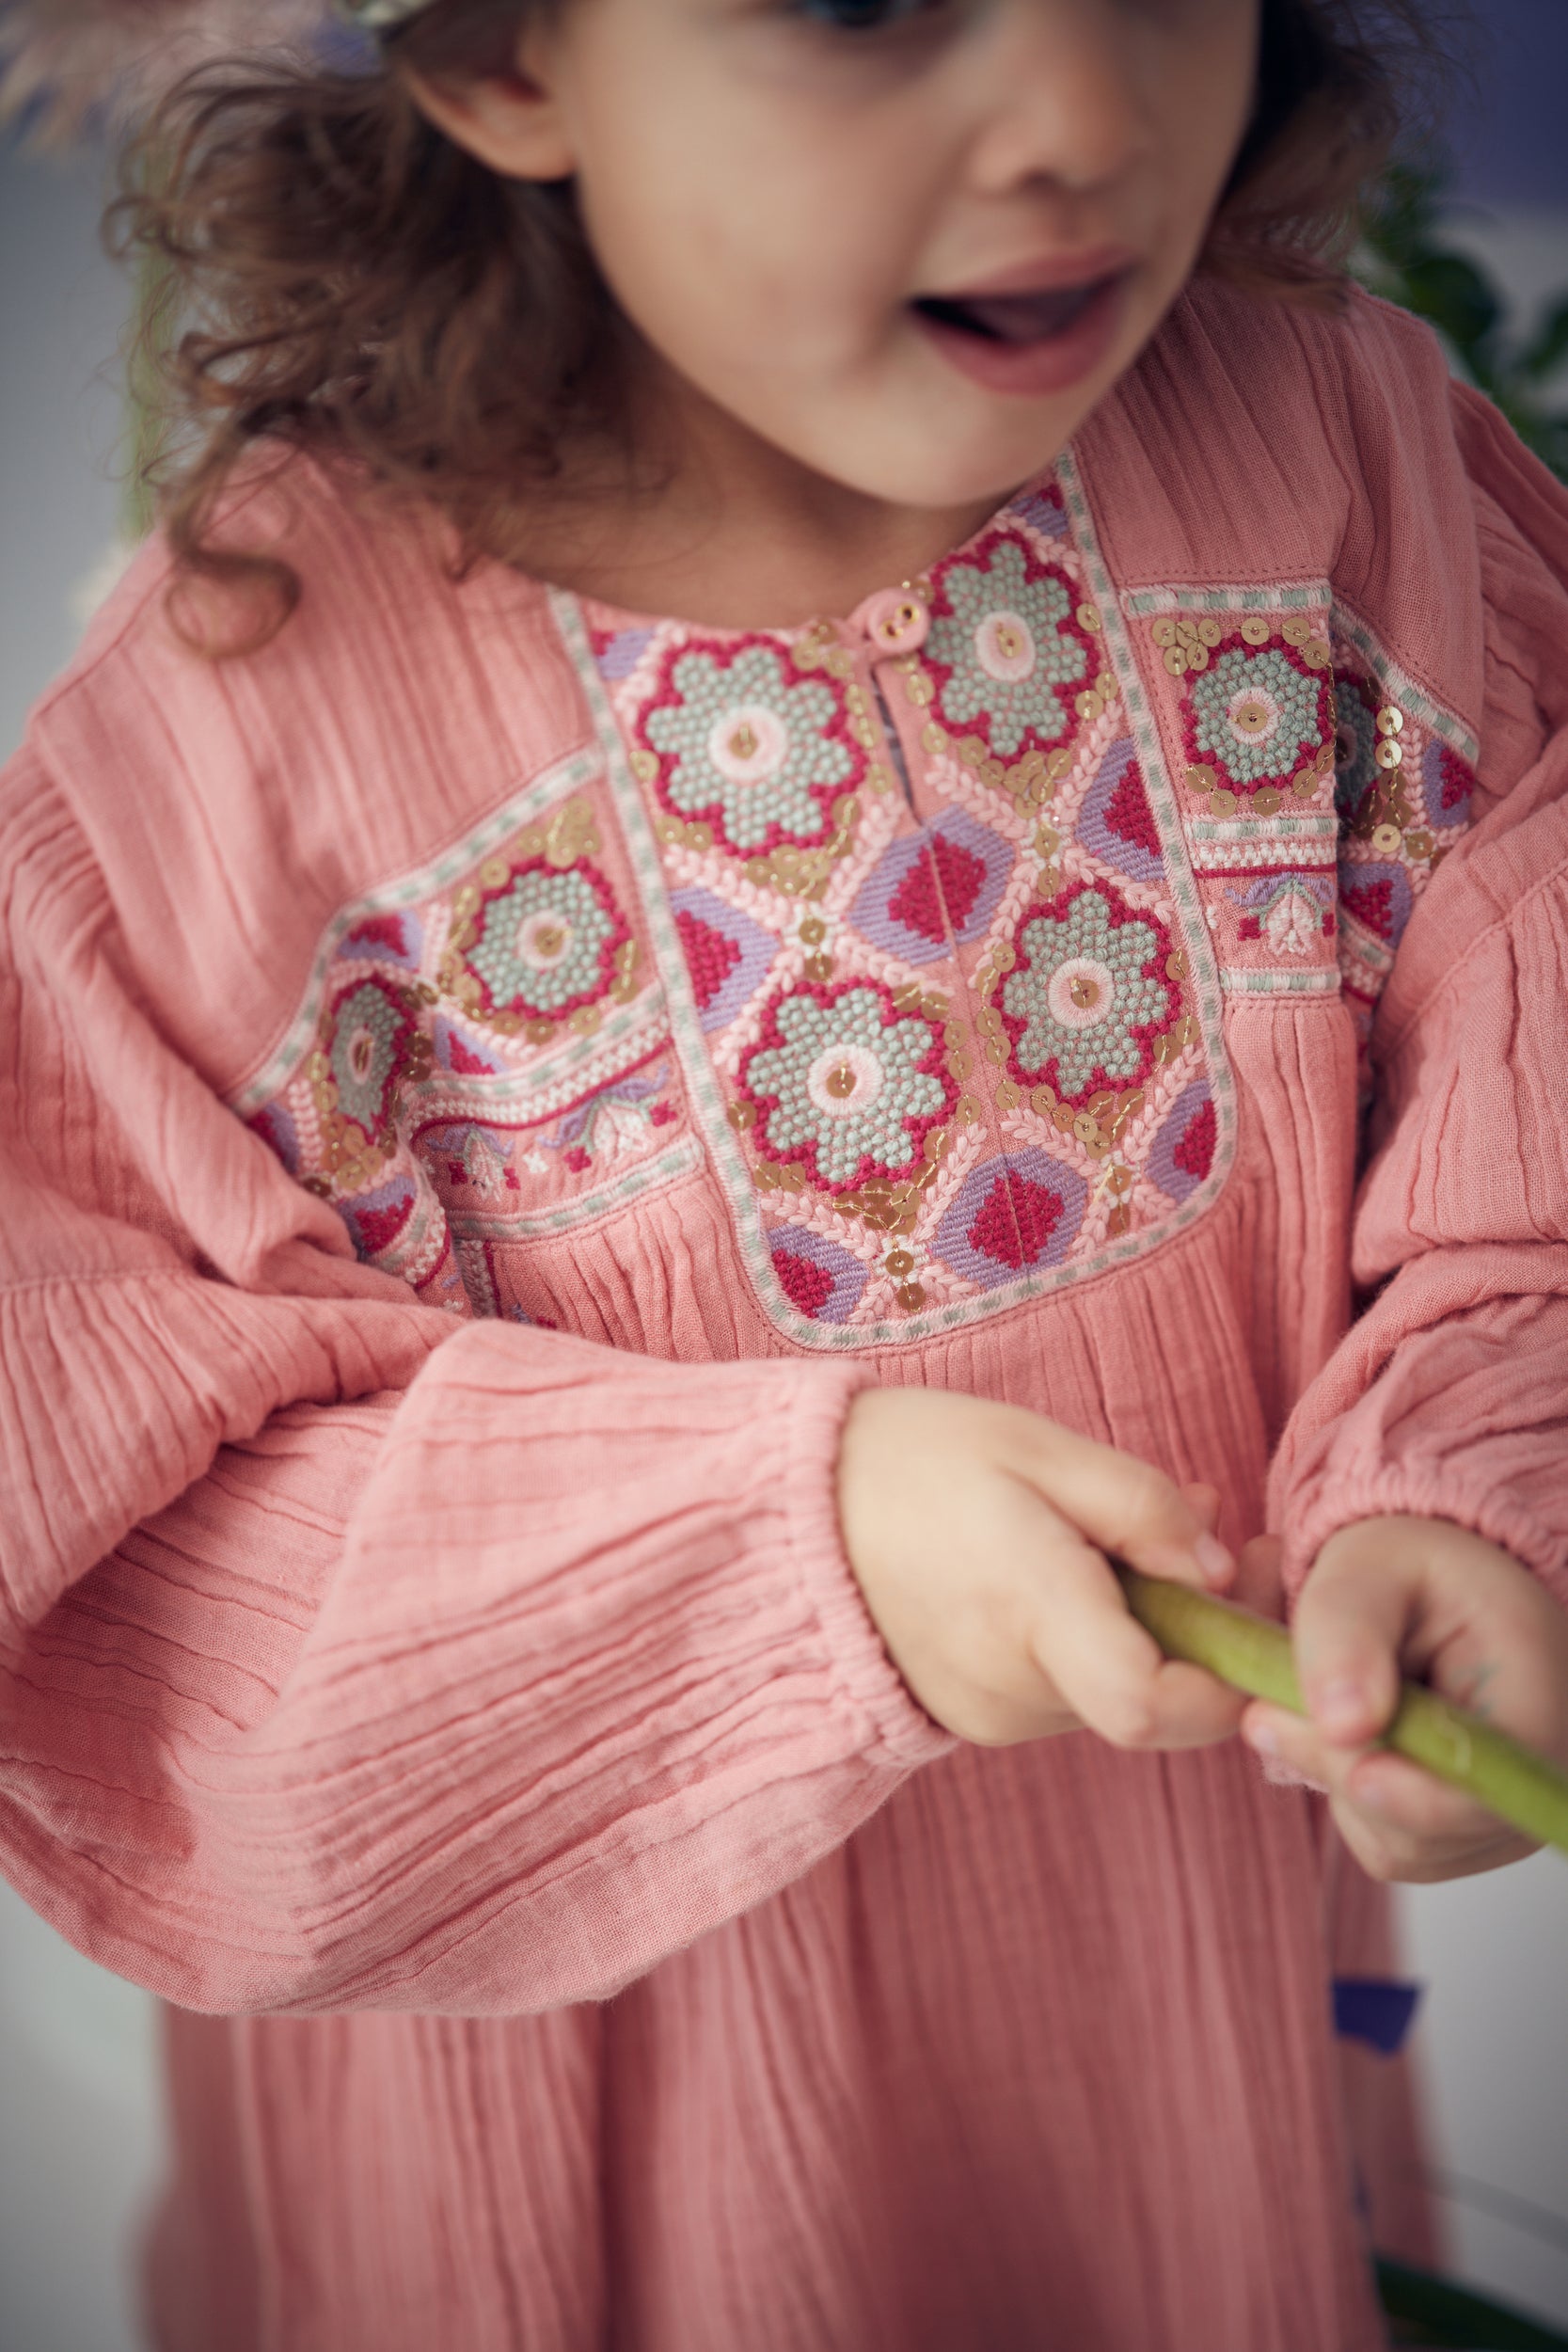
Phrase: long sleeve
(1450, 1395)
(351, 1657)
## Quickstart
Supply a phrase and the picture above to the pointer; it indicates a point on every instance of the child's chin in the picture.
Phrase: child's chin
(954, 464)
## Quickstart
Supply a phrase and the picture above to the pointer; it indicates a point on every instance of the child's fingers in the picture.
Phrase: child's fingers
(1260, 1583)
(1402, 1821)
(1123, 1506)
(1109, 1670)
(1204, 1501)
(1350, 1623)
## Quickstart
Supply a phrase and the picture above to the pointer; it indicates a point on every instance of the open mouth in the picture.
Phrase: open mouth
(1041, 340)
(1021, 318)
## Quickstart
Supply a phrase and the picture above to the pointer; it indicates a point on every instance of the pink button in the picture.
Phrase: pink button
(895, 620)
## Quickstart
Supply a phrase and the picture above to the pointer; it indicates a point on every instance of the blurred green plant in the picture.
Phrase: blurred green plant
(1406, 257)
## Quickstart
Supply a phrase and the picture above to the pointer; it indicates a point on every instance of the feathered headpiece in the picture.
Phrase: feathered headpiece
(68, 64)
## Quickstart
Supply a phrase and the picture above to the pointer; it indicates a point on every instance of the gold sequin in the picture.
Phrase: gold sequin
(1266, 803)
(1387, 840)
(1256, 631)
(1043, 1099)
(1390, 754)
(1296, 631)
(743, 1115)
(1390, 720)
(912, 1297)
(898, 1263)
(1222, 803)
(1200, 779)
(813, 932)
(934, 739)
(1088, 617)
(1008, 1094)
(819, 967)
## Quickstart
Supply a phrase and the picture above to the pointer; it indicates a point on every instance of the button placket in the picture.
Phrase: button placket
(897, 625)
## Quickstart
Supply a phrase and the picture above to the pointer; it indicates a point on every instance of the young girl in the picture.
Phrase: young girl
(685, 975)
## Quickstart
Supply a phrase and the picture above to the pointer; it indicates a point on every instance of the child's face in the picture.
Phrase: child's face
(908, 243)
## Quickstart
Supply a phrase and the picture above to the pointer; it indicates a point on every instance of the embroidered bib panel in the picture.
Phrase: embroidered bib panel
(944, 998)
(915, 928)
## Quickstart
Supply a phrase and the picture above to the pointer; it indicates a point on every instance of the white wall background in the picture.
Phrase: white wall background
(81, 2130)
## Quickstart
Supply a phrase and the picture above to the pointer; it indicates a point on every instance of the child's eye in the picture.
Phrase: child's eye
(865, 16)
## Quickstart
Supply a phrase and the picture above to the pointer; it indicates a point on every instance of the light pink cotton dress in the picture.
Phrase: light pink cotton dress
(487, 1080)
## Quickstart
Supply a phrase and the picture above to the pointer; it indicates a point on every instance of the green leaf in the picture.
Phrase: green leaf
(1547, 352)
(1451, 290)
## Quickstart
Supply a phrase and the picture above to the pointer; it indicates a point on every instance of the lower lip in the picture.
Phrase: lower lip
(1028, 369)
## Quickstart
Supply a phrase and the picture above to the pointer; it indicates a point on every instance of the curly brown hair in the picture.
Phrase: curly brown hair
(324, 269)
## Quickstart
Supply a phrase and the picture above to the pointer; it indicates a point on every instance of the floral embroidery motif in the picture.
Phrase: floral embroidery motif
(368, 1043)
(1001, 632)
(745, 750)
(546, 942)
(1257, 708)
(1254, 714)
(1087, 1000)
(844, 1085)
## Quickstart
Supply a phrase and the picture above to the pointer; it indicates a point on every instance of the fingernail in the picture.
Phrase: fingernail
(1213, 1559)
(1340, 1705)
(1263, 1737)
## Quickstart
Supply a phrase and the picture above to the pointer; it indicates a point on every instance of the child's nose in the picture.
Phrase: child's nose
(1068, 105)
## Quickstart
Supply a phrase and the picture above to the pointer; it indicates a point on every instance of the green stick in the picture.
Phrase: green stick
(1253, 1654)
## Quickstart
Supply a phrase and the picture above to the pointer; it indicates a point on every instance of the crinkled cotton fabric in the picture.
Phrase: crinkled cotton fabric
(488, 1079)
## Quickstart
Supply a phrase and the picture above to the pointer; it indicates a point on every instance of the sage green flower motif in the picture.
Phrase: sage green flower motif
(1079, 989)
(368, 1034)
(542, 942)
(750, 746)
(1004, 642)
(843, 1083)
(1256, 713)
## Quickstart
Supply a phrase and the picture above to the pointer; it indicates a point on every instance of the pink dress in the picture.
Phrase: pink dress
(487, 1080)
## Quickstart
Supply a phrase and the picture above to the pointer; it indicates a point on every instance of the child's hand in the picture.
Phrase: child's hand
(972, 1528)
(1423, 1599)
